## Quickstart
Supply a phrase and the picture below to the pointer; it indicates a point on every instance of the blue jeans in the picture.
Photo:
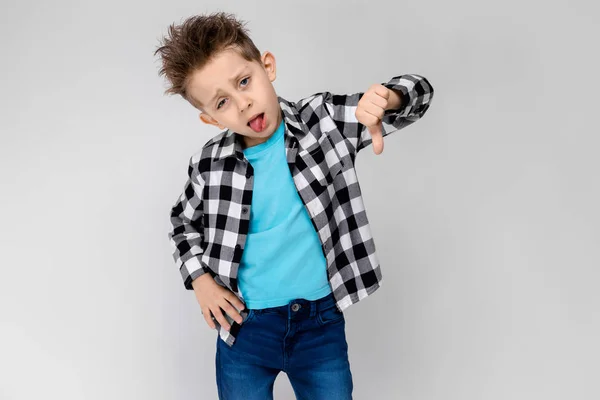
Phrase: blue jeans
(305, 339)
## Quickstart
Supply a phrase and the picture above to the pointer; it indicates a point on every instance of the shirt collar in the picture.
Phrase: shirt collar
(230, 143)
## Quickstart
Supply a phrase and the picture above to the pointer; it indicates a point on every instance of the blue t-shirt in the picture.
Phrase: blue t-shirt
(282, 259)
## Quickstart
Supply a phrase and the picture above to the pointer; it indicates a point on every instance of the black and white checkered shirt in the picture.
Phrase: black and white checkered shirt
(210, 219)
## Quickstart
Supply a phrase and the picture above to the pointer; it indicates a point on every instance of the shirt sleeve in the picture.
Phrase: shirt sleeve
(416, 95)
(187, 231)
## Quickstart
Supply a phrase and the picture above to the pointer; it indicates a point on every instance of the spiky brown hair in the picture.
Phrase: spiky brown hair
(189, 46)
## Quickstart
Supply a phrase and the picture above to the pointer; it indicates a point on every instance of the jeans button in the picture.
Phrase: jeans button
(295, 307)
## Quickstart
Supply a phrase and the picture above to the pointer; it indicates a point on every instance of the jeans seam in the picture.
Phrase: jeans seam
(219, 374)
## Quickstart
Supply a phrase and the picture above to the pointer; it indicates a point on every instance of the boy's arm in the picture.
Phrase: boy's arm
(414, 92)
(187, 231)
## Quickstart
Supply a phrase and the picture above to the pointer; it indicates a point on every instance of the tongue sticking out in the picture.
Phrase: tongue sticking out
(257, 123)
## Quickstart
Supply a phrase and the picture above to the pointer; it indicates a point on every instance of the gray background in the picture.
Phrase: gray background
(485, 213)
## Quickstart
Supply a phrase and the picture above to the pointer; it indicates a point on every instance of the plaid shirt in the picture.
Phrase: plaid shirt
(210, 219)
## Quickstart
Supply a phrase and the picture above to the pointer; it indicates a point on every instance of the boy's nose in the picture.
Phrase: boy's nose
(244, 103)
(247, 105)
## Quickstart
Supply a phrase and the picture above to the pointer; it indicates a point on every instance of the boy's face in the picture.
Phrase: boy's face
(231, 91)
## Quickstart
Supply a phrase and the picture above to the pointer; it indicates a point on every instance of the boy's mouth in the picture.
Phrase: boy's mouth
(258, 123)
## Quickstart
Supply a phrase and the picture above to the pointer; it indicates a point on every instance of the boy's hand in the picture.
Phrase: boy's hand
(370, 111)
(214, 298)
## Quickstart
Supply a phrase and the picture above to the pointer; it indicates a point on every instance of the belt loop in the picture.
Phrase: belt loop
(313, 309)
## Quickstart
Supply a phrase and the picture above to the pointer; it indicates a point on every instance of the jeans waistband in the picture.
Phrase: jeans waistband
(301, 306)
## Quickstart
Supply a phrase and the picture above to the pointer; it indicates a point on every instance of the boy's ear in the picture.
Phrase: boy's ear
(268, 60)
(207, 119)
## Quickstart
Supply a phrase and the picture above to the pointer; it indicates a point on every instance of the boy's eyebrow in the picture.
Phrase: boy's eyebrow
(234, 79)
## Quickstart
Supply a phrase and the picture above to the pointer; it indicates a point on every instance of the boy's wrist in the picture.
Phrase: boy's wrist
(201, 280)
(395, 100)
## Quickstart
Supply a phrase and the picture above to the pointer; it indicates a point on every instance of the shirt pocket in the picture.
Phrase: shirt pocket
(323, 159)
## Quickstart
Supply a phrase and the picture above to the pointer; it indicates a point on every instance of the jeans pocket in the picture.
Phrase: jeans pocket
(329, 315)
(249, 316)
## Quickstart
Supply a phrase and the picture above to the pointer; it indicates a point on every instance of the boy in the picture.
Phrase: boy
(270, 231)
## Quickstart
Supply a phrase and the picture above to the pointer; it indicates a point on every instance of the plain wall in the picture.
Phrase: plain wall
(485, 212)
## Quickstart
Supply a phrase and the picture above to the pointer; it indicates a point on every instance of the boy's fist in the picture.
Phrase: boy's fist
(214, 299)
(370, 110)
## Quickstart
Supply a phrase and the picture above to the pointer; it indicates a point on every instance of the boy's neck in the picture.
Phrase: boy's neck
(251, 142)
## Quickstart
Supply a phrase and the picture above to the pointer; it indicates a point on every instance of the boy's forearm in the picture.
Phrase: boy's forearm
(395, 100)
(409, 98)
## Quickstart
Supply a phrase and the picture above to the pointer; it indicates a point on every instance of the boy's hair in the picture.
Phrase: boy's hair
(191, 45)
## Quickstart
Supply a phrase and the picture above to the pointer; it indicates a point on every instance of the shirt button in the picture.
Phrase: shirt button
(295, 307)
(248, 174)
(244, 210)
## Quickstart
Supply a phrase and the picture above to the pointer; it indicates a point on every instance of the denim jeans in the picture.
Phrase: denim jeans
(305, 339)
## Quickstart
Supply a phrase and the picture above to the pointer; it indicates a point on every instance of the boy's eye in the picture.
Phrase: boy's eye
(221, 102)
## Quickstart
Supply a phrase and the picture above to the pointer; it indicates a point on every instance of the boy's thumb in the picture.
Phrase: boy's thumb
(376, 135)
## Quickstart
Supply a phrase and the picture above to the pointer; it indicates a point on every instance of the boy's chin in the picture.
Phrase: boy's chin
(255, 138)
